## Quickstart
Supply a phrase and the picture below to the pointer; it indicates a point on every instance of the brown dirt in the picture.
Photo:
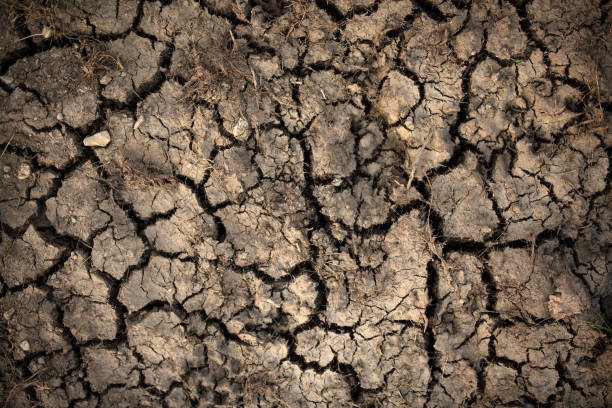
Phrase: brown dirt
(330, 203)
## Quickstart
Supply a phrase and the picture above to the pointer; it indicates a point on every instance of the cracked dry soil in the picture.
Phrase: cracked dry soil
(331, 203)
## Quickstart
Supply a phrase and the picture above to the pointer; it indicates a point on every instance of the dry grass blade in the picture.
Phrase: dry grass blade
(95, 59)
(35, 13)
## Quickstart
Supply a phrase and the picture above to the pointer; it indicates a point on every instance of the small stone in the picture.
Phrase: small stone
(8, 314)
(25, 346)
(60, 116)
(100, 139)
(24, 171)
(241, 130)
(106, 79)
(7, 169)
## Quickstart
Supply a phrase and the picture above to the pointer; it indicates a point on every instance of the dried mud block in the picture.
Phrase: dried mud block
(461, 198)
(591, 250)
(332, 144)
(126, 397)
(232, 174)
(284, 201)
(576, 171)
(371, 27)
(274, 245)
(139, 58)
(524, 201)
(90, 320)
(25, 121)
(163, 279)
(398, 95)
(187, 225)
(538, 346)
(339, 206)
(315, 92)
(531, 285)
(489, 110)
(362, 207)
(27, 258)
(403, 275)
(44, 184)
(456, 384)
(437, 67)
(32, 322)
(347, 6)
(500, 384)
(150, 200)
(570, 297)
(397, 292)
(567, 30)
(299, 300)
(537, 350)
(54, 377)
(308, 388)
(166, 351)
(244, 301)
(118, 247)
(80, 207)
(468, 41)
(74, 278)
(589, 372)
(106, 367)
(501, 112)
(17, 180)
(63, 87)
(177, 398)
(544, 189)
(177, 140)
(280, 157)
(322, 347)
(426, 141)
(168, 21)
(505, 38)
(64, 18)
(461, 325)
(109, 18)
(401, 367)
(344, 301)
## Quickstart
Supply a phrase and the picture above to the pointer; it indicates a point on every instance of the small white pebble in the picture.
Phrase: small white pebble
(105, 80)
(24, 171)
(100, 139)
(25, 346)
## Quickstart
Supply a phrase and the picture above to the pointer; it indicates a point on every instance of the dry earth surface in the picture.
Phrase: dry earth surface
(330, 203)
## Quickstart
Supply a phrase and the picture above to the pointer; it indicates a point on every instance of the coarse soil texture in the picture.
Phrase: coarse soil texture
(305, 203)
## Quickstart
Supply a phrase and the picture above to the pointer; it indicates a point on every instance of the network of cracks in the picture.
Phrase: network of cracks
(305, 203)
